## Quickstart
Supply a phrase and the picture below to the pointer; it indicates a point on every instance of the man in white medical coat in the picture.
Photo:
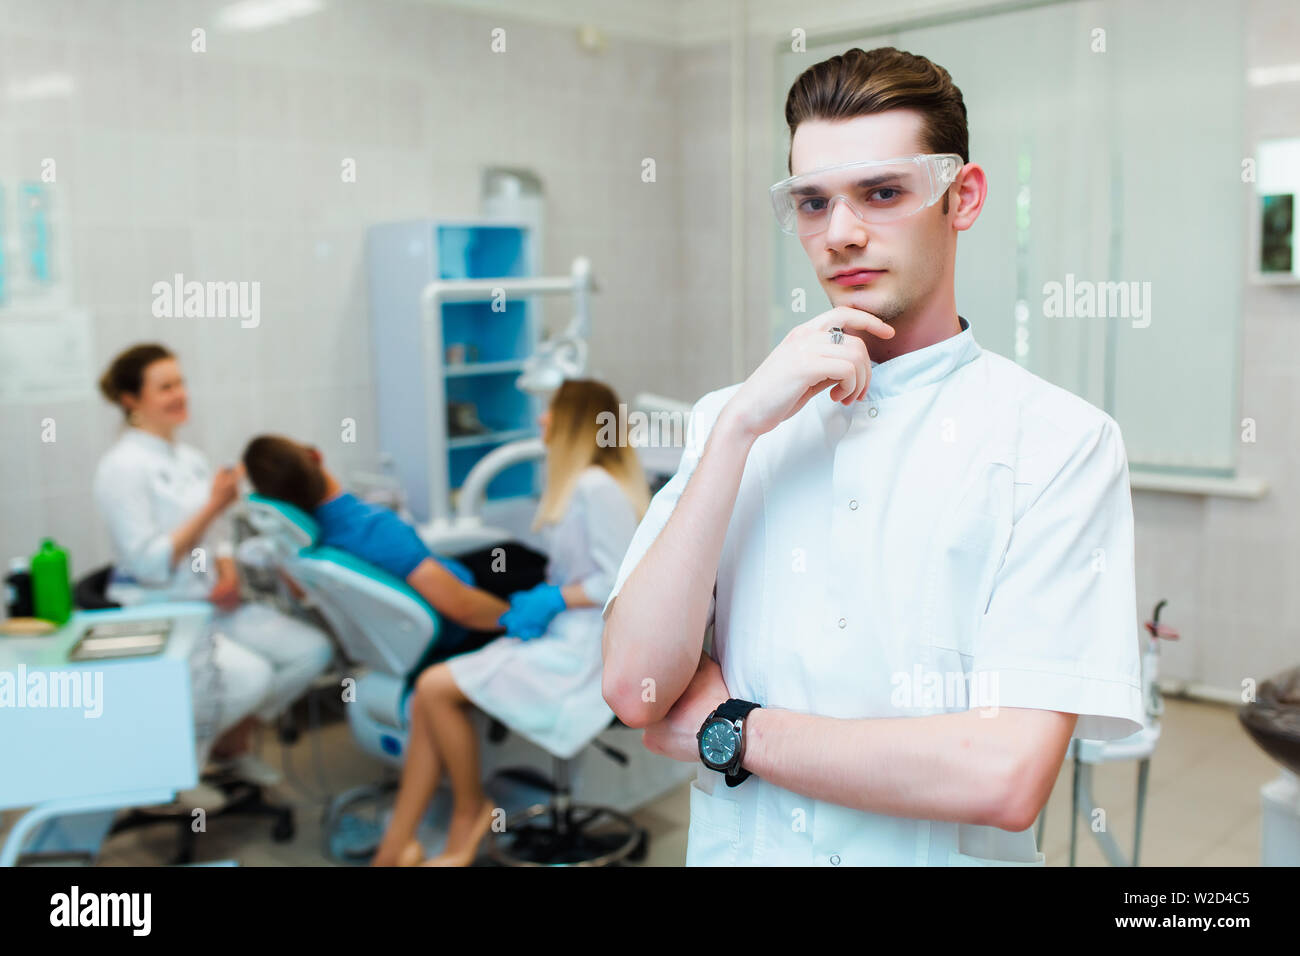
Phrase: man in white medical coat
(916, 556)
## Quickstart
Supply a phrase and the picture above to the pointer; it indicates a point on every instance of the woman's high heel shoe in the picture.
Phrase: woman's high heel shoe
(412, 854)
(466, 856)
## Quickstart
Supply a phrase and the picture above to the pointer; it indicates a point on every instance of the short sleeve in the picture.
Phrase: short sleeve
(610, 521)
(1060, 631)
(397, 547)
(703, 414)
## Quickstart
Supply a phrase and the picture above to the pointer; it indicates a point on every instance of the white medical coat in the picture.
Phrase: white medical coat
(961, 537)
(549, 688)
(145, 488)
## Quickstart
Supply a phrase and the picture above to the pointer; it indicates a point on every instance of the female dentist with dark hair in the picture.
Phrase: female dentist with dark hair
(164, 510)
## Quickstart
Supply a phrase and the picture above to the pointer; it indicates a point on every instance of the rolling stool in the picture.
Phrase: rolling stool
(561, 832)
(1137, 746)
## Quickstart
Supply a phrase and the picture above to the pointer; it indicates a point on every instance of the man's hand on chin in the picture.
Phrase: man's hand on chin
(674, 736)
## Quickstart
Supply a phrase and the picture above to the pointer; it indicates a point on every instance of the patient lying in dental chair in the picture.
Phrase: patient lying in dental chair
(470, 593)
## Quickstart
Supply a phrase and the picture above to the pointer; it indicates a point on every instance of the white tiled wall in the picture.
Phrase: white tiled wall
(1230, 567)
(225, 165)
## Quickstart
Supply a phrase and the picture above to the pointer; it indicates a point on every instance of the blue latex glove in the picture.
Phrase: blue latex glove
(532, 611)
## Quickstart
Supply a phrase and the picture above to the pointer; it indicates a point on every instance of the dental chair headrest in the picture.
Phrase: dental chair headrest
(380, 621)
(282, 521)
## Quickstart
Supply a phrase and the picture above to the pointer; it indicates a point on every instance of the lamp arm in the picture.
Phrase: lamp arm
(488, 467)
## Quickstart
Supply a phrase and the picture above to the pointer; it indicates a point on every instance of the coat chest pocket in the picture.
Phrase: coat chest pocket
(968, 550)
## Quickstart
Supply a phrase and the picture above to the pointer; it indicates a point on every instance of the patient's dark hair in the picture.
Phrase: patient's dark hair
(125, 375)
(285, 470)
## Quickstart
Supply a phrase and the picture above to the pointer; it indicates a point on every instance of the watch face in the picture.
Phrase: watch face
(718, 743)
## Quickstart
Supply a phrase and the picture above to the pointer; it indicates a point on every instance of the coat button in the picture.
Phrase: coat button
(873, 411)
(835, 859)
(843, 622)
(853, 504)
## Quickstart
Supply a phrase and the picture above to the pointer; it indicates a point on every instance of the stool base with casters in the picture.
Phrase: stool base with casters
(245, 799)
(564, 833)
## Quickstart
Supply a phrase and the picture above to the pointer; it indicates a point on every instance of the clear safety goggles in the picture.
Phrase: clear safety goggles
(876, 191)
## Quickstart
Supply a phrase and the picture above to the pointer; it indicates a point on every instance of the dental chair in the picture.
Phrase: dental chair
(385, 627)
(1273, 721)
(380, 622)
(381, 625)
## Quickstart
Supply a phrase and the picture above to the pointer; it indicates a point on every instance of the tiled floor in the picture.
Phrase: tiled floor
(1202, 806)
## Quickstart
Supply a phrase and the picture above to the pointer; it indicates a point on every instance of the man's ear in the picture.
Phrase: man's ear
(969, 192)
(316, 456)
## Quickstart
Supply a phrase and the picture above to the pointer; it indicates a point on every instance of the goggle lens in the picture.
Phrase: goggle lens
(875, 192)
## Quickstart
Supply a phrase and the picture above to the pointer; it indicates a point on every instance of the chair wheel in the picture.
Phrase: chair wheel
(283, 830)
(287, 731)
(354, 823)
(638, 852)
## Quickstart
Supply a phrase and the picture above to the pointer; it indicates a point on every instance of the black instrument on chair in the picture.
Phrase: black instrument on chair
(91, 591)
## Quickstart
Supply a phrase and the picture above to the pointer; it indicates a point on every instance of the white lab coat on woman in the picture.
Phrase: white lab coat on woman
(253, 660)
(548, 689)
(961, 537)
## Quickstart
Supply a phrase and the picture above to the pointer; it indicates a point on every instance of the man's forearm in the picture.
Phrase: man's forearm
(656, 626)
(962, 767)
(469, 606)
(575, 595)
(481, 611)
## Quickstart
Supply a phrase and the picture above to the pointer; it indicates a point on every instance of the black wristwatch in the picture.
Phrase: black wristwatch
(722, 740)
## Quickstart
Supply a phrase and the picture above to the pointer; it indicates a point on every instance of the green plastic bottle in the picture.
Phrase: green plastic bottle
(51, 588)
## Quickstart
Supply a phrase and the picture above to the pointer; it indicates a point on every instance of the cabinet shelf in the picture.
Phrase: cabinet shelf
(484, 368)
(490, 438)
(418, 392)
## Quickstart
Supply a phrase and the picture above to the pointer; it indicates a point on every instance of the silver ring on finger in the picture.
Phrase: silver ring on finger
(837, 335)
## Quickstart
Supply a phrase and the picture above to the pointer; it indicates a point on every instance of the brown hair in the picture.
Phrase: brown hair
(280, 468)
(861, 82)
(125, 374)
(576, 413)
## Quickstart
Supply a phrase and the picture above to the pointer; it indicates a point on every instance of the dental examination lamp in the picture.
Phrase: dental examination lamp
(566, 355)
(554, 361)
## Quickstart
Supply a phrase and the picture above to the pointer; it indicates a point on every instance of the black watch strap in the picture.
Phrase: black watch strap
(735, 709)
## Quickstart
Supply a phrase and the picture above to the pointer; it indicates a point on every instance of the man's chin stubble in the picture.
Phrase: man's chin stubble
(890, 310)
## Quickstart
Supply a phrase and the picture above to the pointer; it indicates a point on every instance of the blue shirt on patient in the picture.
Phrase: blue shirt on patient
(377, 535)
